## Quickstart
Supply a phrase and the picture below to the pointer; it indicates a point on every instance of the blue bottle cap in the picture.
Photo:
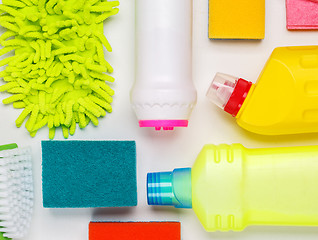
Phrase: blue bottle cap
(170, 188)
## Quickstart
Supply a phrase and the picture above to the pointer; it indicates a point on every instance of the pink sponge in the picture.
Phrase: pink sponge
(302, 14)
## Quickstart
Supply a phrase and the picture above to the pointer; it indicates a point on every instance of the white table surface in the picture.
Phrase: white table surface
(161, 151)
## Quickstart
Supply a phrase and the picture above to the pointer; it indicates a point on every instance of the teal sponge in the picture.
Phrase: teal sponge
(89, 174)
(57, 73)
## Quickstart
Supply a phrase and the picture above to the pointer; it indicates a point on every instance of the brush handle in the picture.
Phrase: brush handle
(4, 238)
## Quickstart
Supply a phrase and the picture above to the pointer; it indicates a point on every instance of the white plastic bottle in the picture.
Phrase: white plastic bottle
(163, 94)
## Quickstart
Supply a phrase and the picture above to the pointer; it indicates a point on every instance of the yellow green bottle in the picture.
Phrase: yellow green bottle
(283, 101)
(231, 187)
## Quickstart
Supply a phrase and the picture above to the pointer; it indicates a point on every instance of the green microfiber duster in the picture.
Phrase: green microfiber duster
(57, 74)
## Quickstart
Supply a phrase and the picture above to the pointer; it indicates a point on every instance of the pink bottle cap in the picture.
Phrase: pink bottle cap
(165, 124)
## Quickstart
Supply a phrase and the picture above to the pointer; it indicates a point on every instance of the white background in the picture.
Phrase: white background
(157, 151)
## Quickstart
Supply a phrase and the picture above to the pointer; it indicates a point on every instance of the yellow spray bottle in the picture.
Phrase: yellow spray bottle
(283, 101)
(230, 187)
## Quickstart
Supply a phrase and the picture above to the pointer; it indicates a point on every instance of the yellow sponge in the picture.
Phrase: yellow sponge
(236, 19)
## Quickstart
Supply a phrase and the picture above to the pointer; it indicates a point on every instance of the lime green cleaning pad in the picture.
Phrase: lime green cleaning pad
(57, 74)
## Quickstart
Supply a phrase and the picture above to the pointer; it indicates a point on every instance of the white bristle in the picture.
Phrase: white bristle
(7, 223)
(15, 152)
(12, 230)
(16, 192)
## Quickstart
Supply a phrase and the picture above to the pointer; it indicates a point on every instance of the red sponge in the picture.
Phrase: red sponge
(134, 231)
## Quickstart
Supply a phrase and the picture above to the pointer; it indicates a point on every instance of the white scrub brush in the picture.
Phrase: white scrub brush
(16, 191)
